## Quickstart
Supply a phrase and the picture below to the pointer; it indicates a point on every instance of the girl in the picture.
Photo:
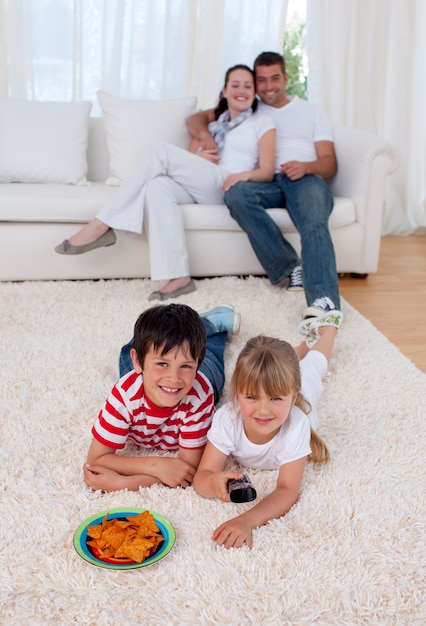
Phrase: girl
(265, 424)
(170, 176)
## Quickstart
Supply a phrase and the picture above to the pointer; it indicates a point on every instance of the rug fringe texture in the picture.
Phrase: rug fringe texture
(350, 552)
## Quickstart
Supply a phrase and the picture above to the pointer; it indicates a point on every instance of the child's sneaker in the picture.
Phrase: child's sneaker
(319, 307)
(224, 318)
(311, 340)
(296, 279)
(308, 326)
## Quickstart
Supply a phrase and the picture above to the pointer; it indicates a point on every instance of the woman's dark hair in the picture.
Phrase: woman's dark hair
(165, 327)
(222, 103)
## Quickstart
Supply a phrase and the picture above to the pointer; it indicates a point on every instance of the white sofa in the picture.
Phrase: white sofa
(34, 217)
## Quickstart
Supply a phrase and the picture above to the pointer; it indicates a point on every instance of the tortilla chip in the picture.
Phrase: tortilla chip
(135, 538)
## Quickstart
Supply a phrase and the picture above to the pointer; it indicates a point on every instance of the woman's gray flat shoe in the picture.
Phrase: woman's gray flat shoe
(108, 239)
(158, 295)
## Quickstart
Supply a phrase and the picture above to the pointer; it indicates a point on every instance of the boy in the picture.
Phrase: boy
(166, 401)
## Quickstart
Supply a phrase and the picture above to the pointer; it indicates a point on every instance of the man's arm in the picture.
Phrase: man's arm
(109, 471)
(197, 126)
(325, 165)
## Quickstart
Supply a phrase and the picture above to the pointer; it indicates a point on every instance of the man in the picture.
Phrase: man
(305, 156)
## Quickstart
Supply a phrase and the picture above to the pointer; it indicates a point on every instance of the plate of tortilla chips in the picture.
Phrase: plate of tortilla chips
(124, 538)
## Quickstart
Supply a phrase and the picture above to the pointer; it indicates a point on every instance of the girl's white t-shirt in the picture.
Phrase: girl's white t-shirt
(292, 441)
(241, 149)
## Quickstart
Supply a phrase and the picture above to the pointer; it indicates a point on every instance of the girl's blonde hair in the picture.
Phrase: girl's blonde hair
(272, 365)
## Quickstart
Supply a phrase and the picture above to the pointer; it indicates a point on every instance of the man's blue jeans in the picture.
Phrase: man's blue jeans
(309, 203)
(212, 366)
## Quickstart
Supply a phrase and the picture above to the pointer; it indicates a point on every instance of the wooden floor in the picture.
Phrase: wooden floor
(394, 298)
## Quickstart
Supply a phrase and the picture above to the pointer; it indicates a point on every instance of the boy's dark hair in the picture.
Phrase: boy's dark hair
(270, 58)
(169, 326)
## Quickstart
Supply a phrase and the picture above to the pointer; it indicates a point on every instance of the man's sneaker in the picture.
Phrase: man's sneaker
(319, 307)
(296, 279)
(224, 318)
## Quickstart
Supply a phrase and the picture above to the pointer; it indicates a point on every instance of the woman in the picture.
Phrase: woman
(170, 176)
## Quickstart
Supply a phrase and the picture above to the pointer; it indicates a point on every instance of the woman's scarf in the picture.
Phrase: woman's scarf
(222, 126)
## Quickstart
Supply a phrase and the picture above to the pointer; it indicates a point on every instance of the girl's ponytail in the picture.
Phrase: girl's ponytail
(320, 453)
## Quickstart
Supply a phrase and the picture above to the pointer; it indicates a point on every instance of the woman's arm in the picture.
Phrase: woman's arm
(238, 531)
(109, 471)
(265, 171)
(211, 481)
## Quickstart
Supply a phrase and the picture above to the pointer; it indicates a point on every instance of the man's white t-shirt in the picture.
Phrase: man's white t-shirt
(292, 441)
(299, 124)
(241, 150)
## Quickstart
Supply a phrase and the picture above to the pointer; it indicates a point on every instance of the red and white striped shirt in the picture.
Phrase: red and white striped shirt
(129, 414)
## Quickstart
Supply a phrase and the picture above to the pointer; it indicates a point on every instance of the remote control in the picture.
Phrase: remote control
(241, 490)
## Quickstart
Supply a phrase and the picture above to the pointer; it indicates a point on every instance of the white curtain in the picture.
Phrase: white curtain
(153, 49)
(367, 69)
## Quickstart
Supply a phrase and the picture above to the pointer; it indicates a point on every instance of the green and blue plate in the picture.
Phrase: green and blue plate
(90, 555)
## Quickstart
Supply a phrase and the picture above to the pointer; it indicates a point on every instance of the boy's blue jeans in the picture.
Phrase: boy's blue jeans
(213, 365)
(309, 203)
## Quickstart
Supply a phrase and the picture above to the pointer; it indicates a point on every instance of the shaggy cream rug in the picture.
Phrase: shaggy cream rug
(351, 551)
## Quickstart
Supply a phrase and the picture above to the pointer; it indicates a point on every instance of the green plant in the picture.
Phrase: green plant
(295, 58)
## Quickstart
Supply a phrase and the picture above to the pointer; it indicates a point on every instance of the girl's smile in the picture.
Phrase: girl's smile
(263, 415)
(239, 91)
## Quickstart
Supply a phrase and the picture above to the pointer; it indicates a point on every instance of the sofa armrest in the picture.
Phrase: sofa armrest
(364, 161)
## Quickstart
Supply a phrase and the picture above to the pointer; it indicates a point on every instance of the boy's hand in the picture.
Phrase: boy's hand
(101, 478)
(174, 472)
(234, 533)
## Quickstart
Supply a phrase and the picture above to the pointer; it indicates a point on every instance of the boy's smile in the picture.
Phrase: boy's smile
(167, 378)
(271, 85)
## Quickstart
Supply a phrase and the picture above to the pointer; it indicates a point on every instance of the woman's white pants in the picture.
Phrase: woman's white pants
(151, 197)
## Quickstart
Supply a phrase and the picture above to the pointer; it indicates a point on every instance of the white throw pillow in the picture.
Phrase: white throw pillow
(131, 125)
(43, 142)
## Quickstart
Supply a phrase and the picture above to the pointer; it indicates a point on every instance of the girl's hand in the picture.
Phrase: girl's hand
(233, 179)
(234, 533)
(219, 483)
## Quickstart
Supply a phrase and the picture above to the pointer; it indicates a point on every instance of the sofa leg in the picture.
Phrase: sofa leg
(355, 275)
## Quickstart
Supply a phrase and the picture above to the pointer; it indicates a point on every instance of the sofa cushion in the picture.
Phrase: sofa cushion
(43, 142)
(130, 125)
(52, 203)
(211, 217)
(74, 204)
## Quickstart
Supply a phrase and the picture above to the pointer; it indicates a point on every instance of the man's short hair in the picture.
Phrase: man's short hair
(270, 58)
(165, 327)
